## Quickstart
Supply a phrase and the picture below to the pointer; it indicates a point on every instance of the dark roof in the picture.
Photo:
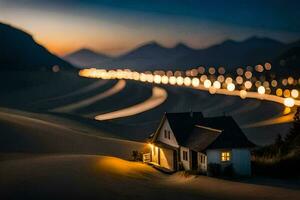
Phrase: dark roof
(199, 133)
(232, 135)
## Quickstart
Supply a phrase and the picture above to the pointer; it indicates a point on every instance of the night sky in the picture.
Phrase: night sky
(114, 27)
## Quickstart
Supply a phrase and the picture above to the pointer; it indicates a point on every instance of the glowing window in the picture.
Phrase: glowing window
(225, 156)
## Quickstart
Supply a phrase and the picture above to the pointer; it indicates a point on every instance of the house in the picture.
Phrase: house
(190, 141)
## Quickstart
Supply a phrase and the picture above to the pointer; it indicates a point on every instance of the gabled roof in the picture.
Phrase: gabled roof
(232, 136)
(199, 133)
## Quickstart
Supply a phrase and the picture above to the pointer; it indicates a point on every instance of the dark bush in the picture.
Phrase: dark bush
(137, 156)
(180, 166)
(228, 170)
(214, 169)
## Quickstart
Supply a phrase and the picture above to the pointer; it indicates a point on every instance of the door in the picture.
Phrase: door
(194, 160)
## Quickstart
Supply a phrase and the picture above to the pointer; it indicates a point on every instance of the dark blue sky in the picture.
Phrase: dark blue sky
(197, 22)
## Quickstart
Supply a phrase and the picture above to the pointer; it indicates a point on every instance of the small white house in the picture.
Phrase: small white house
(191, 141)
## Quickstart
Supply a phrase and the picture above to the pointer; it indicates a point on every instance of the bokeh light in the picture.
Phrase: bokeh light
(230, 87)
(207, 83)
(261, 90)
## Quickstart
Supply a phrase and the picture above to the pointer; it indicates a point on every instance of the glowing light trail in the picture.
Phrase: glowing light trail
(71, 107)
(186, 81)
(159, 95)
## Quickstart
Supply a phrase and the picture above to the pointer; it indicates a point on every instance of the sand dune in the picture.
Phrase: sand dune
(28, 134)
(90, 177)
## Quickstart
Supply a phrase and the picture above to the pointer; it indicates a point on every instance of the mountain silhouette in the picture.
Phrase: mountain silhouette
(288, 61)
(230, 53)
(149, 56)
(86, 57)
(19, 51)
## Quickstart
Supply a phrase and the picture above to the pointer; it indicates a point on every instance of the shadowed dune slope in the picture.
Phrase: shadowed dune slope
(88, 176)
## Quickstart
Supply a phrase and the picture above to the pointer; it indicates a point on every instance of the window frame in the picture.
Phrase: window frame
(167, 134)
(185, 156)
(225, 156)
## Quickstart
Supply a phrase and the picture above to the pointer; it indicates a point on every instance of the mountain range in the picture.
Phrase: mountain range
(152, 55)
(19, 51)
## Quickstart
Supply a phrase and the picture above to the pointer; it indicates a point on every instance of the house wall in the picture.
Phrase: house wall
(185, 163)
(161, 137)
(213, 156)
(240, 160)
(166, 158)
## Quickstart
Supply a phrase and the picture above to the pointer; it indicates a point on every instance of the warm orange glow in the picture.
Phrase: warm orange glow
(211, 70)
(179, 80)
(243, 94)
(207, 83)
(228, 80)
(159, 95)
(230, 87)
(187, 81)
(261, 90)
(268, 66)
(217, 85)
(164, 79)
(289, 102)
(294, 93)
(248, 84)
(195, 82)
(172, 80)
(239, 80)
(279, 92)
(248, 74)
(225, 156)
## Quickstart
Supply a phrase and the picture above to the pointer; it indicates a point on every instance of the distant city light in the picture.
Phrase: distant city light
(164, 79)
(268, 66)
(187, 81)
(248, 84)
(289, 102)
(172, 80)
(207, 83)
(261, 90)
(195, 82)
(294, 93)
(243, 94)
(230, 87)
(211, 70)
(217, 85)
(279, 92)
(179, 80)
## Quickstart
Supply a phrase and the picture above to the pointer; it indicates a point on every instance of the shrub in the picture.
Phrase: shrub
(228, 170)
(214, 169)
(180, 166)
(137, 156)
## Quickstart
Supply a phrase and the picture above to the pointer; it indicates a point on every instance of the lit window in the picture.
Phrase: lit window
(225, 156)
(184, 155)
